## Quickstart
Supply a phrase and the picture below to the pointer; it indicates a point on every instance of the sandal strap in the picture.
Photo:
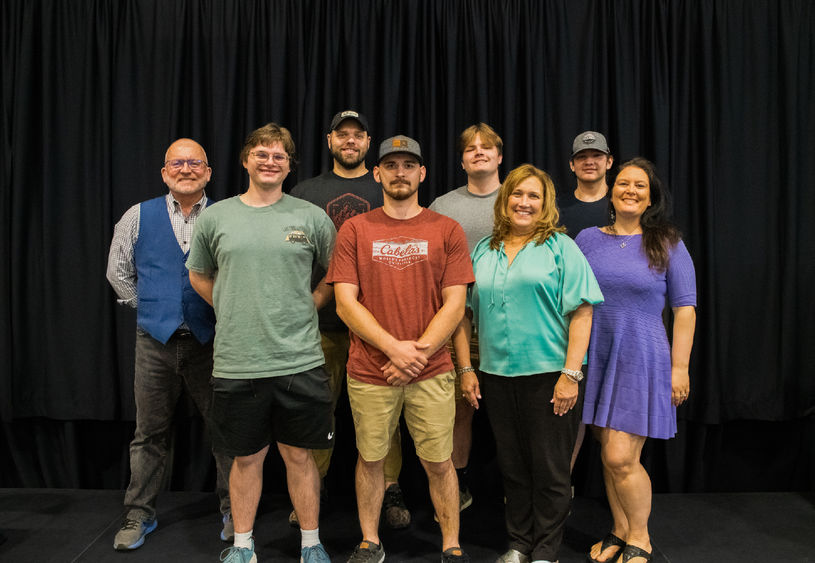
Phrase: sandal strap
(611, 540)
(632, 551)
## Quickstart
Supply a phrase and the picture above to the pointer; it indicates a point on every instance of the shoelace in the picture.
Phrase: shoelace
(131, 524)
(227, 553)
(394, 498)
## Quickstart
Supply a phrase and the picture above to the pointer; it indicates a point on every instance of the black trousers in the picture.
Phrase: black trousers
(534, 447)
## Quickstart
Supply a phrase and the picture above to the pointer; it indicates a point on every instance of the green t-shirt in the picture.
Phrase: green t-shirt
(266, 321)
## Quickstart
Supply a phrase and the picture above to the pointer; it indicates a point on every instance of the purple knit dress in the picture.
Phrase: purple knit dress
(628, 384)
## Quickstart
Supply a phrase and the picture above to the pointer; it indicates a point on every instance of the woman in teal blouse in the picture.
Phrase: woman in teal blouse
(532, 304)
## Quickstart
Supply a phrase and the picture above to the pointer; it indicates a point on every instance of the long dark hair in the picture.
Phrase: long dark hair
(659, 234)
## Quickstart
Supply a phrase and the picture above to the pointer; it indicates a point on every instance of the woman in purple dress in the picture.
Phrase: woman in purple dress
(635, 378)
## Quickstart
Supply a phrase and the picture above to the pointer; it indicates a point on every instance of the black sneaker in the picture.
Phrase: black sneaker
(397, 515)
(454, 555)
(367, 552)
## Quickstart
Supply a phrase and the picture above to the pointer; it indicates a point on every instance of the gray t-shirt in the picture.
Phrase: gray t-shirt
(473, 212)
(266, 321)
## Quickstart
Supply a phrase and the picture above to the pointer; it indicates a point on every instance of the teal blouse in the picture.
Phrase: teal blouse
(522, 311)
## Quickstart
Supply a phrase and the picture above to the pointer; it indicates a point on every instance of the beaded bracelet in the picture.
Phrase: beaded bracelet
(465, 369)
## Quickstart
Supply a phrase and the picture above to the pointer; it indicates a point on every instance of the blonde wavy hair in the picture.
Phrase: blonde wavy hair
(546, 226)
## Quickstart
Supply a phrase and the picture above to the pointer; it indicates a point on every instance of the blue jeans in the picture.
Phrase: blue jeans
(163, 371)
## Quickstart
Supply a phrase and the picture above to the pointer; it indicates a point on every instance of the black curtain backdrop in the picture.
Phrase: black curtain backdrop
(717, 93)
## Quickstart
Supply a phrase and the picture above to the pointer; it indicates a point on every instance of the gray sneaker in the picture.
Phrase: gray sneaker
(465, 500)
(135, 527)
(228, 532)
(513, 556)
(397, 515)
(367, 552)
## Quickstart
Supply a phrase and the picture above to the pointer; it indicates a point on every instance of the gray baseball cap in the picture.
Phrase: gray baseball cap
(348, 114)
(400, 143)
(590, 140)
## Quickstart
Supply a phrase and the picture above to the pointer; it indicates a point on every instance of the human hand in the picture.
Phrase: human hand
(408, 356)
(565, 395)
(470, 388)
(680, 385)
(395, 377)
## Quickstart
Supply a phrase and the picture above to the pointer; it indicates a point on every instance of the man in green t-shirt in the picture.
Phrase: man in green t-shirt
(251, 258)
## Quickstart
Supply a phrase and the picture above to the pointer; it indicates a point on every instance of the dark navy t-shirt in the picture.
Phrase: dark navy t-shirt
(341, 198)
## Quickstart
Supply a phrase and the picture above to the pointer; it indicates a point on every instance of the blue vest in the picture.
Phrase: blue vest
(166, 298)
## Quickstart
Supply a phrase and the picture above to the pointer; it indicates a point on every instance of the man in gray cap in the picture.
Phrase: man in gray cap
(587, 205)
(400, 275)
(346, 190)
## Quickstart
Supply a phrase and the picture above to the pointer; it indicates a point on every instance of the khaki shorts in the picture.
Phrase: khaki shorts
(429, 410)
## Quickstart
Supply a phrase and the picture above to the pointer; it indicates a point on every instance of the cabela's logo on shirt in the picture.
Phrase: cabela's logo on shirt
(296, 234)
(400, 252)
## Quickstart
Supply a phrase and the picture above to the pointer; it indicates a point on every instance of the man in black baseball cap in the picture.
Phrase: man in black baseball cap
(346, 190)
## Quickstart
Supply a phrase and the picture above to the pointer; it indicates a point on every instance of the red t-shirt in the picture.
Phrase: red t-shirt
(400, 267)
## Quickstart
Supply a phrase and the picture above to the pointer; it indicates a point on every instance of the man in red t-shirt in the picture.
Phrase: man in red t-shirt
(400, 275)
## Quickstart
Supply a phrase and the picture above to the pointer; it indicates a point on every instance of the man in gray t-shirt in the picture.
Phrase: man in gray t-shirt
(472, 206)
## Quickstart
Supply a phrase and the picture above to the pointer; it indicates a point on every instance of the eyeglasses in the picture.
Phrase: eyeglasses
(277, 157)
(195, 164)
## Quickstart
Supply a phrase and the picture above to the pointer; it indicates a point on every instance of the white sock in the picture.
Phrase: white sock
(309, 538)
(244, 540)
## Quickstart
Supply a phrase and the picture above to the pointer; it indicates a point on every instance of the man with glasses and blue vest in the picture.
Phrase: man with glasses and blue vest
(175, 330)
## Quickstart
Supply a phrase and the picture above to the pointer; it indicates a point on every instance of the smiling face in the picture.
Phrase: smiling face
(480, 158)
(631, 194)
(591, 165)
(267, 165)
(186, 182)
(525, 206)
(349, 144)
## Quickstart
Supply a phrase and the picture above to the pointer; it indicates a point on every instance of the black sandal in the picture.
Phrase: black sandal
(632, 551)
(609, 541)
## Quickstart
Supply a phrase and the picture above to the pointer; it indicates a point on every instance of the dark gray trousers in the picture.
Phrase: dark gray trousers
(163, 371)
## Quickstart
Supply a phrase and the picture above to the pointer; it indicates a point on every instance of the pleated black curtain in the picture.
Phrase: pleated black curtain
(717, 93)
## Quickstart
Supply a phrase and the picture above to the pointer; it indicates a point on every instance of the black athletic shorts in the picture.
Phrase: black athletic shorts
(249, 414)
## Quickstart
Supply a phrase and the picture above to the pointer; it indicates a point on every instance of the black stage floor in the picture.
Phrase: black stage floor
(43, 525)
